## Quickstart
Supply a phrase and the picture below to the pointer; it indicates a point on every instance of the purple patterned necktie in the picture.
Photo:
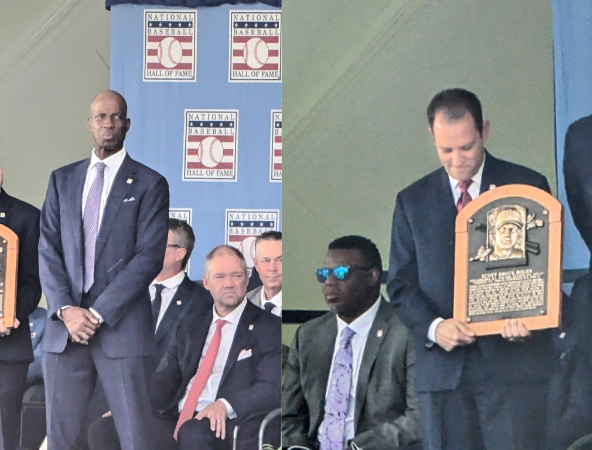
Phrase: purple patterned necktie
(337, 400)
(91, 224)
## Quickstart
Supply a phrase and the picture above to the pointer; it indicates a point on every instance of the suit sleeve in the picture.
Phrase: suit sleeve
(167, 379)
(52, 271)
(295, 414)
(152, 231)
(578, 181)
(405, 429)
(29, 286)
(265, 393)
(410, 302)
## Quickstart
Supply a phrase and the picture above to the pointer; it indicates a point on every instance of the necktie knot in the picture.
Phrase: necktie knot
(220, 323)
(100, 166)
(159, 288)
(464, 186)
(346, 336)
(268, 306)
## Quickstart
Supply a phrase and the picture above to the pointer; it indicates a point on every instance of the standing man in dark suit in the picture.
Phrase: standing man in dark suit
(16, 351)
(474, 393)
(173, 296)
(360, 344)
(223, 365)
(268, 262)
(103, 238)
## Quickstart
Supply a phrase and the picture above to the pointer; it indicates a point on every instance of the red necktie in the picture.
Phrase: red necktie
(465, 197)
(201, 378)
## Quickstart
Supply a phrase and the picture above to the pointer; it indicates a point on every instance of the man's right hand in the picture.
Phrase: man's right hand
(81, 323)
(452, 333)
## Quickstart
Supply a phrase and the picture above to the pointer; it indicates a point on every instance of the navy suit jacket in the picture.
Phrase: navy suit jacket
(129, 254)
(421, 281)
(23, 219)
(190, 297)
(250, 385)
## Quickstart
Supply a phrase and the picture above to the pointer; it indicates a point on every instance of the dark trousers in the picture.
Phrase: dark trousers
(70, 381)
(197, 435)
(13, 377)
(484, 417)
(102, 434)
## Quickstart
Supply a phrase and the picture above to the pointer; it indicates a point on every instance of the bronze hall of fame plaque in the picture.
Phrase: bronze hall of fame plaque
(8, 272)
(508, 260)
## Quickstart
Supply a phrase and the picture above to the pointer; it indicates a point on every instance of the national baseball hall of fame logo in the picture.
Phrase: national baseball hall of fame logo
(255, 46)
(210, 145)
(275, 173)
(170, 45)
(244, 225)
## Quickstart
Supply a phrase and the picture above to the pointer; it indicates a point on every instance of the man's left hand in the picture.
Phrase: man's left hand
(514, 330)
(217, 413)
(4, 331)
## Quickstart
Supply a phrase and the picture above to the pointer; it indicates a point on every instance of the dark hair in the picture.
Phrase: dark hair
(268, 236)
(184, 237)
(455, 103)
(364, 245)
(220, 250)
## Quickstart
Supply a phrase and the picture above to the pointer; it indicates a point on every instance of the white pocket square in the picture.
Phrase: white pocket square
(245, 354)
(131, 199)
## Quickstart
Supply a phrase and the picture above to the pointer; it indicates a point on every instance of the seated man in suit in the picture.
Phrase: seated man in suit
(268, 262)
(350, 373)
(174, 296)
(223, 365)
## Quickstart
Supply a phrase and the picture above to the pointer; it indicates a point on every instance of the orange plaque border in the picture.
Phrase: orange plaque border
(552, 318)
(10, 286)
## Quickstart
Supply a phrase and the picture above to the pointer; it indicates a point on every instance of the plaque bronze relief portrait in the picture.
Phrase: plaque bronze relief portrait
(508, 260)
(8, 274)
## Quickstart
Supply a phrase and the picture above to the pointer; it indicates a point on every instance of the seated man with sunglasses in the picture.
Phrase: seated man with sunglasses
(349, 376)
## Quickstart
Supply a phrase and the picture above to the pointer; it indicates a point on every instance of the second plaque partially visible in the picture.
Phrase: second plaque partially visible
(508, 260)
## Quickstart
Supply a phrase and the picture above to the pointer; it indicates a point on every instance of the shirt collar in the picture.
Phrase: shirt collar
(476, 178)
(173, 282)
(276, 299)
(113, 162)
(234, 316)
(361, 326)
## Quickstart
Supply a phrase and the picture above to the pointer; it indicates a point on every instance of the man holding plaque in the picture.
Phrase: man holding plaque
(474, 393)
(16, 351)
(104, 228)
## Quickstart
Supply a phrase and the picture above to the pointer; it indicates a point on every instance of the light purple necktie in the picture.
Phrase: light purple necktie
(337, 400)
(91, 224)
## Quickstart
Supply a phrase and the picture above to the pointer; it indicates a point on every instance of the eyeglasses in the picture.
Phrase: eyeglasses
(174, 246)
(340, 272)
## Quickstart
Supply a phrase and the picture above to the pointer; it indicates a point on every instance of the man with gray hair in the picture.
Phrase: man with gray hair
(268, 262)
(224, 364)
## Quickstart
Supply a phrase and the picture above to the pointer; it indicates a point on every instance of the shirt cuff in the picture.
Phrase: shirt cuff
(97, 315)
(231, 412)
(60, 312)
(432, 329)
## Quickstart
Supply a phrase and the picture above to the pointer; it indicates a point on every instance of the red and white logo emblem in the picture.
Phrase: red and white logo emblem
(244, 225)
(255, 46)
(170, 45)
(275, 173)
(210, 145)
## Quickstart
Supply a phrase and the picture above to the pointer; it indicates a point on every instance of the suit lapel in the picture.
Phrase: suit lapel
(195, 347)
(378, 331)
(322, 356)
(489, 176)
(75, 188)
(242, 337)
(446, 201)
(117, 194)
(174, 309)
(5, 208)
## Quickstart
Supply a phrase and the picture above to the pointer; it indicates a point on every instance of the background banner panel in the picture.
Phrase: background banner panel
(235, 119)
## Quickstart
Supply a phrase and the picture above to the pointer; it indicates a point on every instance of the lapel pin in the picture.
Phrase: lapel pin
(379, 334)
(251, 327)
(179, 302)
(2, 214)
(129, 181)
(492, 187)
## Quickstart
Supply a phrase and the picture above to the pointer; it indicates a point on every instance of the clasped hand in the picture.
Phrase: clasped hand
(81, 323)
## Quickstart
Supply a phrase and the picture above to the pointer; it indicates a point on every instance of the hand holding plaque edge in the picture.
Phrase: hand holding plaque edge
(452, 333)
(6, 331)
(514, 330)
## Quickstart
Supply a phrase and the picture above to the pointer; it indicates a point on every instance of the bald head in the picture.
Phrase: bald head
(111, 95)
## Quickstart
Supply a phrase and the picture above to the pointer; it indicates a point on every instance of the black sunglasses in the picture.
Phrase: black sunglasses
(340, 272)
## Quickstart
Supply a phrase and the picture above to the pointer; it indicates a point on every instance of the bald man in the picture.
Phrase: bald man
(104, 228)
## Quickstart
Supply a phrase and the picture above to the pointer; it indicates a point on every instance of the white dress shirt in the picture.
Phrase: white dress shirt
(276, 300)
(170, 289)
(211, 390)
(474, 190)
(361, 326)
(113, 163)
